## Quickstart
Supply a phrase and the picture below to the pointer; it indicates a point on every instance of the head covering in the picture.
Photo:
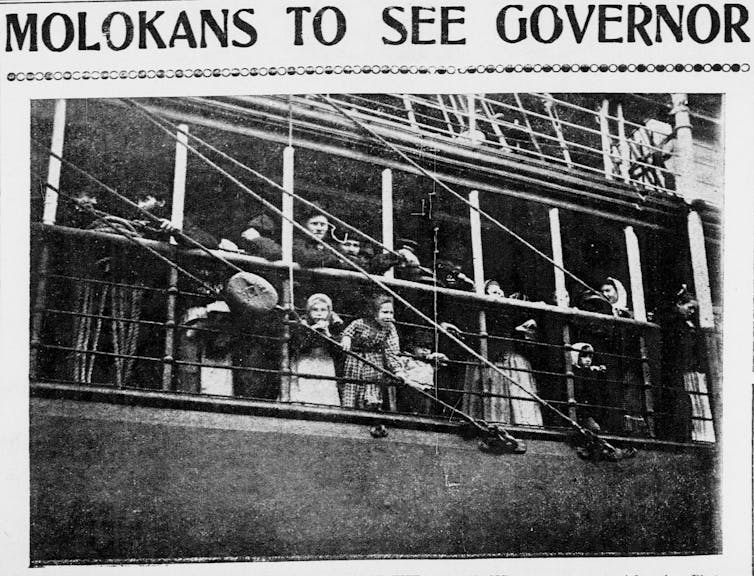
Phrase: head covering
(423, 338)
(489, 283)
(529, 327)
(412, 245)
(376, 302)
(519, 296)
(248, 293)
(578, 349)
(684, 296)
(319, 297)
(622, 301)
(262, 223)
(311, 210)
(592, 302)
(218, 306)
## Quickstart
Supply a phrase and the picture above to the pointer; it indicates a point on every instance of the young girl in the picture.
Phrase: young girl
(314, 354)
(590, 391)
(418, 371)
(375, 339)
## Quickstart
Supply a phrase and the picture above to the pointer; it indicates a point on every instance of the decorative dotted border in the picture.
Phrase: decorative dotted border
(375, 69)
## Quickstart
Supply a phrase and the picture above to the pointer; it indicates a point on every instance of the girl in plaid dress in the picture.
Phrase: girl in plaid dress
(375, 339)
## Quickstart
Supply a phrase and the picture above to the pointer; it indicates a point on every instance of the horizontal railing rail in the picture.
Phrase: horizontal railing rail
(552, 372)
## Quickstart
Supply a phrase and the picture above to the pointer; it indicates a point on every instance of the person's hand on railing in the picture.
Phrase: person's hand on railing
(437, 357)
(447, 326)
(228, 245)
(167, 226)
(322, 326)
(416, 385)
(345, 343)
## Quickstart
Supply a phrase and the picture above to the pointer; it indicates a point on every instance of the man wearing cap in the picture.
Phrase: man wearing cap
(309, 249)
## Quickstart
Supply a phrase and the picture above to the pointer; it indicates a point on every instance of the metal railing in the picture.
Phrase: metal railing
(536, 127)
(104, 328)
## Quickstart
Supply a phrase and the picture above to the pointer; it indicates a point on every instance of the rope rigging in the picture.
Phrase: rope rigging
(110, 221)
(106, 219)
(605, 446)
(264, 178)
(505, 439)
(460, 197)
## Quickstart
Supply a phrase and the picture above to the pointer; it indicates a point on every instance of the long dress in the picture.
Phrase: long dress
(380, 345)
(686, 399)
(524, 409)
(212, 372)
(501, 396)
(313, 358)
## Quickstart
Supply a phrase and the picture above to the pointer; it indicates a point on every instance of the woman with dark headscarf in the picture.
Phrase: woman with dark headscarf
(686, 396)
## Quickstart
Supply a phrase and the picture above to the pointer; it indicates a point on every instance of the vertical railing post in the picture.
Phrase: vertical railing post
(561, 297)
(387, 214)
(686, 183)
(478, 263)
(49, 216)
(640, 313)
(561, 294)
(286, 243)
(176, 220)
(699, 267)
(528, 125)
(471, 105)
(552, 112)
(625, 152)
(635, 274)
(607, 159)
(410, 111)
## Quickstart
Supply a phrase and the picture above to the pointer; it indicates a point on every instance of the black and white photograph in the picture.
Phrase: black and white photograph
(378, 288)
(375, 325)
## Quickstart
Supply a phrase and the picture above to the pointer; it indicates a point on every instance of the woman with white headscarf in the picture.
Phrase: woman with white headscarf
(313, 366)
(615, 293)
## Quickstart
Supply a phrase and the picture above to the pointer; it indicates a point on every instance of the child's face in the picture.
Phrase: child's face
(318, 311)
(385, 315)
(351, 247)
(85, 201)
(421, 351)
(317, 225)
(687, 309)
(585, 359)
(495, 291)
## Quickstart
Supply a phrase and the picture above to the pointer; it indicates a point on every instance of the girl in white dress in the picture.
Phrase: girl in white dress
(313, 358)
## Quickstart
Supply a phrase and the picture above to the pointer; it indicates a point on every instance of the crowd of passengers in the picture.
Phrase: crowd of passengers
(339, 363)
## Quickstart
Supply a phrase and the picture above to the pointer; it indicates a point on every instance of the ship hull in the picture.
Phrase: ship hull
(113, 481)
